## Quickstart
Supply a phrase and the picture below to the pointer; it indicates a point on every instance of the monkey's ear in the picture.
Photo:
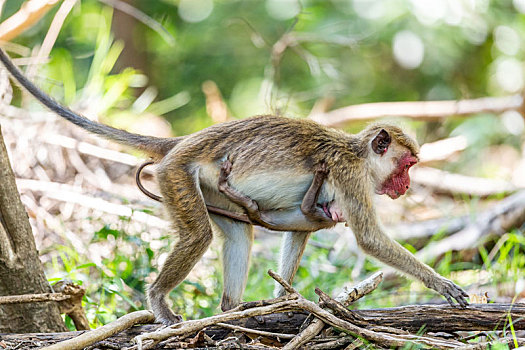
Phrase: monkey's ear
(381, 142)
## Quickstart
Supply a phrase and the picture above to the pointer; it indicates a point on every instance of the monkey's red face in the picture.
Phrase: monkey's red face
(398, 182)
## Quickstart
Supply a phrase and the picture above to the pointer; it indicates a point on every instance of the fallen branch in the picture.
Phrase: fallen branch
(67, 294)
(433, 318)
(32, 298)
(383, 339)
(442, 149)
(72, 194)
(148, 340)
(425, 110)
(346, 297)
(444, 182)
(445, 318)
(91, 337)
(498, 220)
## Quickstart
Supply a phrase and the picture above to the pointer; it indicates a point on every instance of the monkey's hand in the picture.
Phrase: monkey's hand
(449, 290)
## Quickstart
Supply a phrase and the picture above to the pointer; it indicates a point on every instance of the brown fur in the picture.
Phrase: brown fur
(267, 144)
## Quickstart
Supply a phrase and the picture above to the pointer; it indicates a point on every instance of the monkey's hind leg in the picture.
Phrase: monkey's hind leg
(250, 206)
(186, 207)
(236, 248)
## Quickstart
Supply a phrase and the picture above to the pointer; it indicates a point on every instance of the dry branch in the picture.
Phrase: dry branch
(29, 13)
(509, 213)
(442, 149)
(383, 339)
(149, 340)
(255, 331)
(32, 298)
(193, 326)
(67, 294)
(346, 297)
(445, 318)
(425, 110)
(73, 305)
(104, 332)
(444, 182)
(437, 318)
(71, 194)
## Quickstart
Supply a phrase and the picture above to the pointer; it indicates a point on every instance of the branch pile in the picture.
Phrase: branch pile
(292, 322)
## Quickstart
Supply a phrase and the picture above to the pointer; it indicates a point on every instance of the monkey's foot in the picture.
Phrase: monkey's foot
(321, 171)
(161, 310)
(450, 291)
(227, 303)
(168, 318)
(226, 169)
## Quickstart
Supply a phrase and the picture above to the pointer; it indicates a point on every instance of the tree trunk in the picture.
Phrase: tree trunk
(131, 32)
(20, 269)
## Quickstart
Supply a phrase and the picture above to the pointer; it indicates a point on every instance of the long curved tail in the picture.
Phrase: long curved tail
(154, 146)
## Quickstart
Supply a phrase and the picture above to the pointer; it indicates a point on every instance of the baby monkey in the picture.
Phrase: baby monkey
(275, 169)
(316, 216)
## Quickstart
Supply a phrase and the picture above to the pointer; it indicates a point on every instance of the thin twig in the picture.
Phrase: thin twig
(255, 331)
(287, 287)
(332, 344)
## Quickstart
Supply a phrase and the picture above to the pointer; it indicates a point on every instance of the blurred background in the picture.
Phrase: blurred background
(173, 67)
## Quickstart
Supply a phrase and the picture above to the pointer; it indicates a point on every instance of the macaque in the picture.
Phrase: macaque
(288, 173)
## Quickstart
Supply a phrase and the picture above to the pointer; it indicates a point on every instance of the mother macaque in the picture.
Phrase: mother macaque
(287, 173)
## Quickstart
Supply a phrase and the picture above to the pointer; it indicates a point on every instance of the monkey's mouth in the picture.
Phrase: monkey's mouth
(398, 182)
(333, 211)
